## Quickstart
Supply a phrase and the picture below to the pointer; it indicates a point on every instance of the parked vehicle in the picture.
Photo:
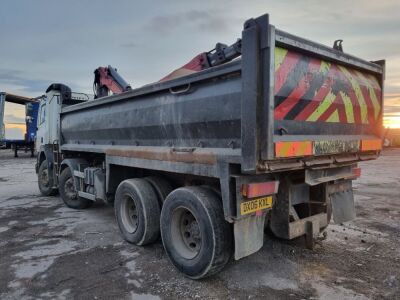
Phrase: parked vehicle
(209, 159)
(18, 120)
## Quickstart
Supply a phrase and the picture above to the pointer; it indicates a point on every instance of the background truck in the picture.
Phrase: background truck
(211, 157)
(18, 120)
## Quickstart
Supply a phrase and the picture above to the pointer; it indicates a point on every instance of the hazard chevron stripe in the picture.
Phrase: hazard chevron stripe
(296, 94)
(313, 90)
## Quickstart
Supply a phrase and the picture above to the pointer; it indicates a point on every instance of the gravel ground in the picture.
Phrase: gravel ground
(48, 251)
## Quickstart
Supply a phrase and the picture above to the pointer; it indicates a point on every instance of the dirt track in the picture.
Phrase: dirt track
(48, 251)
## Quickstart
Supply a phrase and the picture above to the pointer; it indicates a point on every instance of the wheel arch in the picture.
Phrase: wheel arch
(41, 157)
(73, 164)
(44, 153)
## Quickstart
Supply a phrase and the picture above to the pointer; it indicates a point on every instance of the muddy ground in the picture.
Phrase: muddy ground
(48, 251)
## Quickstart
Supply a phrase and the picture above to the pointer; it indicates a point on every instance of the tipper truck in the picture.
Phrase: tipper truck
(213, 157)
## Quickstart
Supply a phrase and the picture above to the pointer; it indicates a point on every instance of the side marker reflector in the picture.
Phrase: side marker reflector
(357, 172)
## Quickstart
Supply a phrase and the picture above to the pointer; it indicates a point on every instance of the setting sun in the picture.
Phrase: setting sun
(391, 121)
(391, 115)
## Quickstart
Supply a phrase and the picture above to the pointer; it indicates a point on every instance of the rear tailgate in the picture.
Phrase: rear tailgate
(325, 102)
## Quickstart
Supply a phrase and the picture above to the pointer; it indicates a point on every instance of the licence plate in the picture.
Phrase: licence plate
(256, 204)
(336, 146)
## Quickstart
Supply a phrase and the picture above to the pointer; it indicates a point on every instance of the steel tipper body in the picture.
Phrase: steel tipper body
(211, 158)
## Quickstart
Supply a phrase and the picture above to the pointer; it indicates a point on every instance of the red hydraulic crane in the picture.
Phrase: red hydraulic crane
(107, 79)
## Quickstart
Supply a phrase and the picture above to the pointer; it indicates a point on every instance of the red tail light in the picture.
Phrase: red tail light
(357, 172)
(251, 190)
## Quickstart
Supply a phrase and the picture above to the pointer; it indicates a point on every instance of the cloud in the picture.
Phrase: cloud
(14, 119)
(17, 78)
(213, 22)
(129, 45)
(21, 83)
(392, 105)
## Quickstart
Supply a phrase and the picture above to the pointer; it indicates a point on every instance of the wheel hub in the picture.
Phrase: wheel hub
(190, 232)
(130, 216)
(44, 177)
(69, 189)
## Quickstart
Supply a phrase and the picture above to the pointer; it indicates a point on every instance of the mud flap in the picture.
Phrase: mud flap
(249, 235)
(343, 206)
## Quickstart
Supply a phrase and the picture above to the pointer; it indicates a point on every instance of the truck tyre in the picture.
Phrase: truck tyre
(160, 186)
(45, 182)
(137, 211)
(195, 235)
(68, 192)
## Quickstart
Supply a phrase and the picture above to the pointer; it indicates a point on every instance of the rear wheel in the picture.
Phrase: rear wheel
(45, 181)
(68, 192)
(196, 237)
(137, 211)
(160, 186)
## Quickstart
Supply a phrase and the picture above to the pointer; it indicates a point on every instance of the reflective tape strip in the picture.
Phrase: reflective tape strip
(280, 54)
(359, 96)
(368, 145)
(325, 104)
(370, 87)
(304, 148)
(292, 149)
(348, 106)
(334, 117)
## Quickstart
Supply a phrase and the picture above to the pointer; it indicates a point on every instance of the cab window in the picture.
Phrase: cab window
(42, 113)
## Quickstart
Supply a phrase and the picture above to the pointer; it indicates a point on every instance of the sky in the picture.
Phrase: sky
(46, 41)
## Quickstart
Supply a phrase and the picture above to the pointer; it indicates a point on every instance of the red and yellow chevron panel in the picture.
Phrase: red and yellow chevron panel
(314, 90)
(293, 149)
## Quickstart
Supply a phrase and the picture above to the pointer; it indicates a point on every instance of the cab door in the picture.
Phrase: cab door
(42, 134)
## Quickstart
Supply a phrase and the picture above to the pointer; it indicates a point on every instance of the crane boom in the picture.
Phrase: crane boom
(106, 80)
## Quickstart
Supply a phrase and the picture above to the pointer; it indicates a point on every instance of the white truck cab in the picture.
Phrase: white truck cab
(48, 131)
(49, 112)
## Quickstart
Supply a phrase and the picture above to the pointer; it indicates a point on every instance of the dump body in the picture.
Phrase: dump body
(285, 102)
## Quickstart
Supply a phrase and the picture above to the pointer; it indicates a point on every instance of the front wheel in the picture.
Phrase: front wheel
(45, 181)
(68, 192)
(196, 237)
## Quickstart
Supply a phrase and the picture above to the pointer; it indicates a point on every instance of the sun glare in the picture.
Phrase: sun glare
(391, 122)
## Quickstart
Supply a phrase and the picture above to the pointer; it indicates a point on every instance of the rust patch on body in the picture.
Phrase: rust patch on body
(166, 155)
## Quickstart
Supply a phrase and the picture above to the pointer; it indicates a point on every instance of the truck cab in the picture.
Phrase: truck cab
(48, 129)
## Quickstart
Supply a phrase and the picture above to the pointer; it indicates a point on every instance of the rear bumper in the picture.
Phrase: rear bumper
(310, 225)
(327, 161)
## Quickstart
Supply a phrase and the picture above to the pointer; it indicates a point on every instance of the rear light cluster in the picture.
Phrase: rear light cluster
(252, 190)
(356, 172)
